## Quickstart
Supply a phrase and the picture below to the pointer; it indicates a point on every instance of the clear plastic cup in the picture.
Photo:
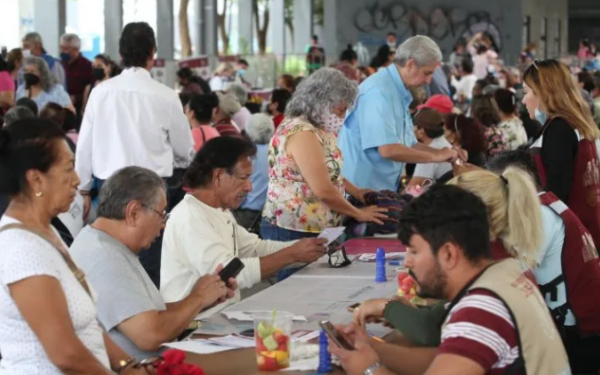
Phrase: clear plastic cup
(273, 340)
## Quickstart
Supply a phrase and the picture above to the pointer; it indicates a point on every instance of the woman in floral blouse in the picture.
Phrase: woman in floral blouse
(485, 111)
(306, 187)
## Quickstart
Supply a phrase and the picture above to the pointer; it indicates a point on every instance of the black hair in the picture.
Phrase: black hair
(25, 145)
(3, 65)
(281, 97)
(66, 119)
(482, 48)
(315, 37)
(243, 62)
(26, 102)
(137, 44)
(447, 213)
(391, 33)
(185, 73)
(115, 69)
(521, 158)
(348, 54)
(220, 152)
(484, 110)
(202, 106)
(467, 65)
(506, 101)
(587, 80)
(184, 98)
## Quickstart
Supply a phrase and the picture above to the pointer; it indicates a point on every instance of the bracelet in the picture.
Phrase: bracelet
(124, 363)
(372, 368)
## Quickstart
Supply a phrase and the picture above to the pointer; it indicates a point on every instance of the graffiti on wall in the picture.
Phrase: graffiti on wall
(439, 24)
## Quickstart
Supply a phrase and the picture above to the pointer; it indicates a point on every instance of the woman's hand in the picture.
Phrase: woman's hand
(360, 194)
(373, 214)
(369, 311)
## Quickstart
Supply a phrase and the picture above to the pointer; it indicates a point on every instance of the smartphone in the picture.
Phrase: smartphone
(335, 336)
(351, 308)
(231, 270)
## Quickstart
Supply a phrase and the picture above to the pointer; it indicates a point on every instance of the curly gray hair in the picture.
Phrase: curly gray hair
(319, 93)
(260, 128)
(46, 79)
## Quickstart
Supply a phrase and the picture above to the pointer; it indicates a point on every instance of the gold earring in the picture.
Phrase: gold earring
(39, 194)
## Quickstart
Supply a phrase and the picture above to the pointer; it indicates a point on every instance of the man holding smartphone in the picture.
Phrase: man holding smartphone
(130, 307)
(497, 321)
(202, 232)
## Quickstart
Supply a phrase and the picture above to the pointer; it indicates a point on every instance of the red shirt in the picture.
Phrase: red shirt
(480, 328)
(79, 73)
(278, 119)
(226, 129)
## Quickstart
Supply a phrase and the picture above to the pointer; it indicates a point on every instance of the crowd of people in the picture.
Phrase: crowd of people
(500, 166)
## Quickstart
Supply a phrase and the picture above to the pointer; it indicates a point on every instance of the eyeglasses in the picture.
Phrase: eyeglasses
(339, 258)
(164, 215)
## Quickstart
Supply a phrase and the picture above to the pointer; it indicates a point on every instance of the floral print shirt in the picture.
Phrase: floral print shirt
(514, 132)
(496, 140)
(291, 203)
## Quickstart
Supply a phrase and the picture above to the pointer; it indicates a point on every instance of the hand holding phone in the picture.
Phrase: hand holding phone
(232, 270)
(335, 336)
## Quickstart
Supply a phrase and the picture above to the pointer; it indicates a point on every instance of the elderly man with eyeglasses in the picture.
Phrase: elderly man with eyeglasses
(131, 214)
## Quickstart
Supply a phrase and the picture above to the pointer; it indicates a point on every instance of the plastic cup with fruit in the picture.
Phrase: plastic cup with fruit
(272, 332)
(407, 289)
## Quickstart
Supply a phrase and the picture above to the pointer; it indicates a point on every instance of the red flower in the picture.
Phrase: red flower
(173, 364)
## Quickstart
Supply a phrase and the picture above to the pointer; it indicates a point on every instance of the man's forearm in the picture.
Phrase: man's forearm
(404, 360)
(271, 264)
(178, 317)
(405, 154)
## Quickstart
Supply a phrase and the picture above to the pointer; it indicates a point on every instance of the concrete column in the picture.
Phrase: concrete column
(197, 27)
(113, 25)
(302, 24)
(50, 18)
(277, 28)
(245, 26)
(210, 27)
(330, 26)
(165, 37)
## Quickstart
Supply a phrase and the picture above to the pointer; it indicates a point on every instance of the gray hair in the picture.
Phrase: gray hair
(46, 79)
(126, 185)
(33, 37)
(17, 113)
(422, 49)
(240, 93)
(72, 40)
(260, 128)
(319, 93)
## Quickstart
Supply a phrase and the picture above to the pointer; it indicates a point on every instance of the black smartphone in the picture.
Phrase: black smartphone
(231, 270)
(335, 336)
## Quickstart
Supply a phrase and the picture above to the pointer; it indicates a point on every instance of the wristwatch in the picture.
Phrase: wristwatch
(371, 370)
(124, 363)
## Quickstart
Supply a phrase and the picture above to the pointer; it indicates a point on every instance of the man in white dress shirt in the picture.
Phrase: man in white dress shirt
(132, 120)
(202, 232)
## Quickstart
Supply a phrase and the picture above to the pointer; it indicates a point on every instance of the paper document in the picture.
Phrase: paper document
(332, 234)
(198, 346)
(246, 316)
(235, 341)
(372, 257)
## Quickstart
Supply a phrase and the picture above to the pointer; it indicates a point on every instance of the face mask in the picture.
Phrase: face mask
(540, 116)
(31, 79)
(333, 123)
(65, 57)
(99, 74)
(26, 52)
(392, 45)
(241, 72)
(502, 83)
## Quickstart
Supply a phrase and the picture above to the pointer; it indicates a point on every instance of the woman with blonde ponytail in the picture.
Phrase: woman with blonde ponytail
(514, 210)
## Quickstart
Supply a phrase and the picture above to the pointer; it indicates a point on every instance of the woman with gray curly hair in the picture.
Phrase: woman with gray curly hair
(306, 186)
(40, 85)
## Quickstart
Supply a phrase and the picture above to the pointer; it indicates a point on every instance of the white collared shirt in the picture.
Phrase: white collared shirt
(132, 119)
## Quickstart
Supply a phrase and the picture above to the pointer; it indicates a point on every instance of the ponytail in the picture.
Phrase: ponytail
(514, 210)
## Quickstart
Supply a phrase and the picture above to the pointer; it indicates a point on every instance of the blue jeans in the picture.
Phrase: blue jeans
(272, 232)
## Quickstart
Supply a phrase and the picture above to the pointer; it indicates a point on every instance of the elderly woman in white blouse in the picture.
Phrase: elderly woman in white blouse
(47, 315)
